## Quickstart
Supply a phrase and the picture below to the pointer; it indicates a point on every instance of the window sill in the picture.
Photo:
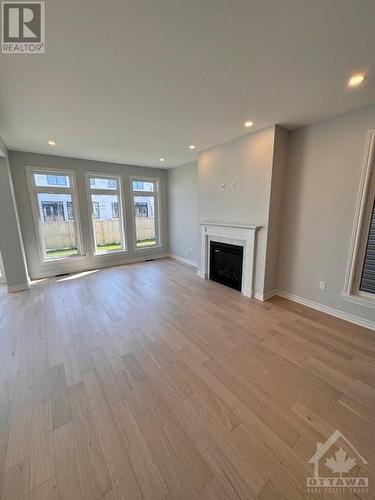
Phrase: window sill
(63, 259)
(114, 252)
(142, 249)
(360, 300)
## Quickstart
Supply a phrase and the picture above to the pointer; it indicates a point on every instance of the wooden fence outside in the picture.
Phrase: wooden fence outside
(58, 235)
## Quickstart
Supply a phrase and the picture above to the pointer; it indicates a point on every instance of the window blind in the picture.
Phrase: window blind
(368, 270)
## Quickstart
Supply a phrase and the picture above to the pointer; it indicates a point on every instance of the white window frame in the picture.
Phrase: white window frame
(72, 190)
(3, 278)
(362, 219)
(156, 195)
(121, 218)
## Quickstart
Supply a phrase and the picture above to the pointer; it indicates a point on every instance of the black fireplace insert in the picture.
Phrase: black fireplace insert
(226, 264)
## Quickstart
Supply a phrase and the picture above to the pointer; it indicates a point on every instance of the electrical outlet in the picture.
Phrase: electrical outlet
(322, 285)
(190, 251)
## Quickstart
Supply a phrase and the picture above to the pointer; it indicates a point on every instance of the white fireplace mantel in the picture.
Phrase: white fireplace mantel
(234, 234)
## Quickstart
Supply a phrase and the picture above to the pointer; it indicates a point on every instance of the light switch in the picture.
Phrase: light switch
(222, 187)
(322, 285)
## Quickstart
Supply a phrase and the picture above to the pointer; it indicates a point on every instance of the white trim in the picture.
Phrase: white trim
(18, 288)
(362, 300)
(226, 224)
(102, 265)
(265, 296)
(235, 234)
(188, 262)
(327, 309)
(3, 278)
(356, 249)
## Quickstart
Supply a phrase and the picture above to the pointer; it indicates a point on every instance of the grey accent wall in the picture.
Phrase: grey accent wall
(183, 211)
(321, 187)
(247, 162)
(18, 161)
(11, 245)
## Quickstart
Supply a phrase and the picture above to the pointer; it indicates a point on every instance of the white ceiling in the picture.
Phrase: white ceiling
(135, 80)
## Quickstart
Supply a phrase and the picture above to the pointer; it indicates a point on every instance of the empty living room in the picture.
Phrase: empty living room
(187, 250)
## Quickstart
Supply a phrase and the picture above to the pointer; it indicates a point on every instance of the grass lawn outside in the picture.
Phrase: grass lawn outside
(146, 243)
(62, 252)
(111, 247)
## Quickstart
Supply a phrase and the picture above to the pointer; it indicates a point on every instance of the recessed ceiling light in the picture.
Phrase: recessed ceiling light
(249, 123)
(162, 159)
(191, 146)
(52, 143)
(356, 80)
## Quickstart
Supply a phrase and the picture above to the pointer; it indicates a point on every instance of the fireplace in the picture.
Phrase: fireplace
(226, 264)
(241, 235)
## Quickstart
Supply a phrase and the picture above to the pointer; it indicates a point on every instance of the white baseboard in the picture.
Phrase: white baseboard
(327, 309)
(264, 296)
(269, 294)
(188, 262)
(18, 288)
(101, 265)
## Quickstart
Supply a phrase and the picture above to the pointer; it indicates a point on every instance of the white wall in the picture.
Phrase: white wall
(247, 162)
(183, 211)
(321, 187)
(11, 245)
(19, 160)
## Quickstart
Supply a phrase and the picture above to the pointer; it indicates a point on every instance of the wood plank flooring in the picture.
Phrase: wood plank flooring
(144, 381)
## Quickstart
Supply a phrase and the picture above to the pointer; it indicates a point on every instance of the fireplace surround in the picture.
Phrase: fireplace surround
(233, 234)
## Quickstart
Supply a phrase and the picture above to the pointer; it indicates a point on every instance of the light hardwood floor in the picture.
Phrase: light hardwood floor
(144, 381)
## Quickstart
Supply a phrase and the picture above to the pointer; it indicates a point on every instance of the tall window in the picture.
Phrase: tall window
(367, 283)
(53, 197)
(145, 197)
(107, 217)
(360, 280)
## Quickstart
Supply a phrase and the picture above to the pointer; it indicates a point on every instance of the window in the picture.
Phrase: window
(141, 209)
(143, 186)
(95, 209)
(69, 206)
(53, 211)
(57, 180)
(367, 283)
(115, 214)
(107, 218)
(53, 198)
(103, 183)
(360, 278)
(145, 198)
(44, 180)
